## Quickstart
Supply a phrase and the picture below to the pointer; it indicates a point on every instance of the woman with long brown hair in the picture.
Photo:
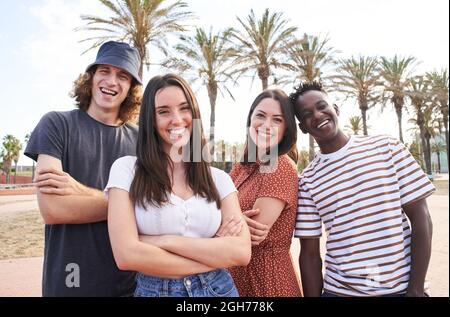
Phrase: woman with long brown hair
(267, 181)
(172, 217)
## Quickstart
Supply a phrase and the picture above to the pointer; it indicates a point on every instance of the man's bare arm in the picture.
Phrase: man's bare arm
(421, 236)
(63, 200)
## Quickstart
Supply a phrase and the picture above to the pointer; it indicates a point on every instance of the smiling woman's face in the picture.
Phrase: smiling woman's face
(173, 117)
(267, 124)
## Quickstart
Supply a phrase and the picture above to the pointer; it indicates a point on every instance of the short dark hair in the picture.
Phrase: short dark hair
(305, 87)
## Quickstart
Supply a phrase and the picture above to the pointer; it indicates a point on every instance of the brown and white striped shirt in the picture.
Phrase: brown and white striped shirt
(358, 193)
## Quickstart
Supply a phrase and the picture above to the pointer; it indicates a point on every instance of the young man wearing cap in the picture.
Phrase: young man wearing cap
(370, 194)
(74, 151)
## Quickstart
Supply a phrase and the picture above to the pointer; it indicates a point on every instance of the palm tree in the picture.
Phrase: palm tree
(27, 139)
(17, 149)
(396, 73)
(11, 152)
(414, 149)
(139, 22)
(262, 44)
(418, 91)
(438, 148)
(308, 58)
(303, 160)
(359, 78)
(1, 163)
(439, 83)
(430, 129)
(355, 125)
(207, 55)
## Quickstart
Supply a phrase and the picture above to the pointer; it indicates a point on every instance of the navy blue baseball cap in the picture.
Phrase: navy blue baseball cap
(120, 55)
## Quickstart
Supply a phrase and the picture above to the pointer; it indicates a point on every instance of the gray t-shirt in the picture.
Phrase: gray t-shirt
(87, 149)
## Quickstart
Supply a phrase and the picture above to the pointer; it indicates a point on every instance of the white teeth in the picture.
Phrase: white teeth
(264, 133)
(177, 131)
(175, 134)
(108, 91)
(323, 123)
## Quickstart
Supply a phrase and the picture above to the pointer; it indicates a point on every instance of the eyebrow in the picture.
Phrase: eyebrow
(320, 101)
(120, 72)
(275, 115)
(180, 105)
(124, 73)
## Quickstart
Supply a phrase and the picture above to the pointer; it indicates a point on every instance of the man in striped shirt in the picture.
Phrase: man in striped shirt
(369, 193)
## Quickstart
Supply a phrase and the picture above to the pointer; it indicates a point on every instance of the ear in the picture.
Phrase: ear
(336, 108)
(302, 128)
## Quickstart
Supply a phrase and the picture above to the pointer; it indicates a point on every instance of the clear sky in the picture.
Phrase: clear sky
(40, 55)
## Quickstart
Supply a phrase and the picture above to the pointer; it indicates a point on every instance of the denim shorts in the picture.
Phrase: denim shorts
(217, 283)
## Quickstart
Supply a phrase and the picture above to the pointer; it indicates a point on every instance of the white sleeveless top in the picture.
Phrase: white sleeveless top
(194, 217)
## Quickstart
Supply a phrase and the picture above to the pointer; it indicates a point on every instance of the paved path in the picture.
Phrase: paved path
(22, 277)
(10, 204)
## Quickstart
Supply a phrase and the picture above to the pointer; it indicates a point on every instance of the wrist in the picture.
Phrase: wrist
(86, 191)
(415, 293)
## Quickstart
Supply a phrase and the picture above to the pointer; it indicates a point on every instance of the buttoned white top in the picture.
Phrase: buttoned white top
(194, 217)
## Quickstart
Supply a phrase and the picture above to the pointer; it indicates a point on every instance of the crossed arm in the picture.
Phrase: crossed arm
(172, 256)
(63, 200)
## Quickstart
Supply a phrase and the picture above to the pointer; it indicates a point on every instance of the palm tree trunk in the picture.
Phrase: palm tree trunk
(439, 161)
(141, 50)
(428, 155)
(311, 148)
(263, 74)
(265, 83)
(445, 119)
(425, 142)
(15, 172)
(212, 94)
(398, 110)
(364, 119)
(7, 169)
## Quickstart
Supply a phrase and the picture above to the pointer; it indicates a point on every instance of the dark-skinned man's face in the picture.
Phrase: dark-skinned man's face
(317, 114)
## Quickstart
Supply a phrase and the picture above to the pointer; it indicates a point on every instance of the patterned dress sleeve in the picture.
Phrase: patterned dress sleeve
(281, 183)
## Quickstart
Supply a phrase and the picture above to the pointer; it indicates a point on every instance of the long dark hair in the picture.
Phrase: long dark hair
(288, 144)
(151, 183)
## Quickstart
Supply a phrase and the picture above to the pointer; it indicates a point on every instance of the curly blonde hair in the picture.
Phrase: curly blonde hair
(82, 92)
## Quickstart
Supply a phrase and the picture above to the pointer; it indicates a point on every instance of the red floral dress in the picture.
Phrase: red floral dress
(270, 271)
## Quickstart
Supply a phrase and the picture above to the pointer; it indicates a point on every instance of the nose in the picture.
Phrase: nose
(267, 124)
(317, 115)
(112, 80)
(177, 117)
